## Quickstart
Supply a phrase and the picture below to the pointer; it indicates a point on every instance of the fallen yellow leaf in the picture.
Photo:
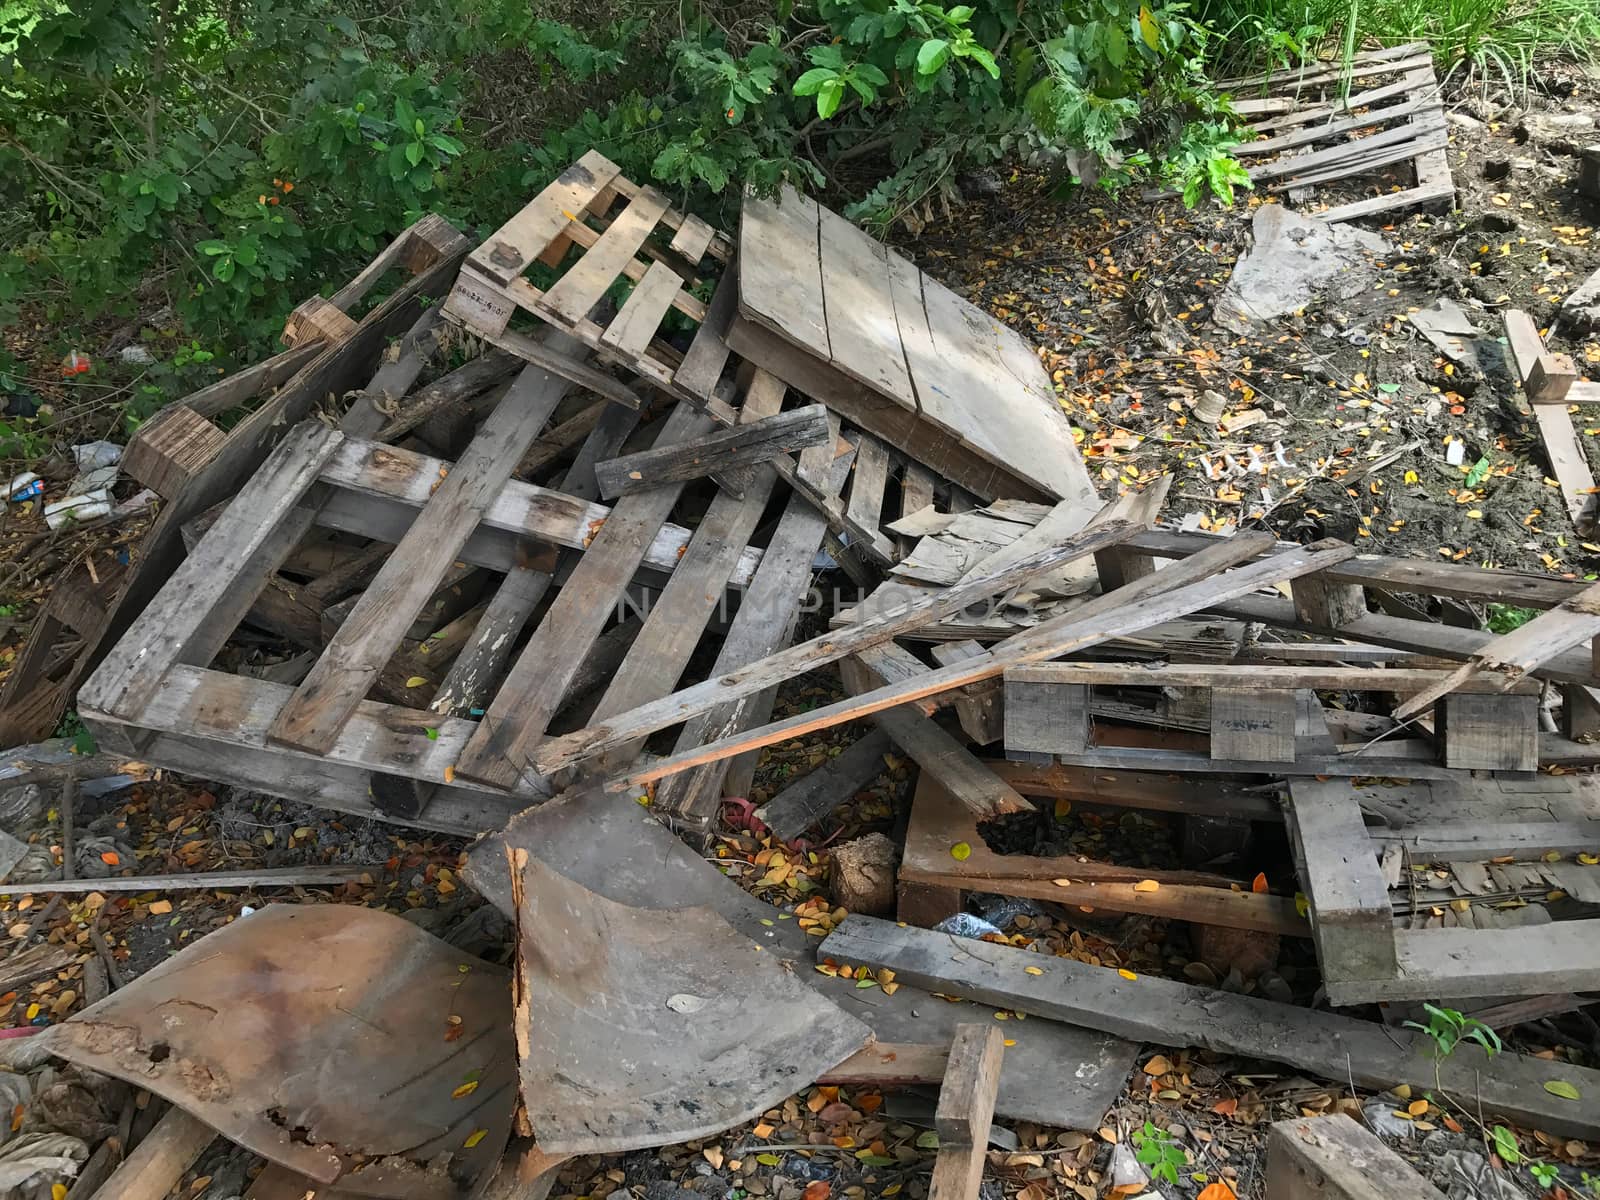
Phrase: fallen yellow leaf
(466, 1089)
(473, 1138)
(1157, 1065)
(1147, 885)
(961, 851)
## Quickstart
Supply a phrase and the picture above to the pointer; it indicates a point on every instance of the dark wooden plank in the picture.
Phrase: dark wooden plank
(764, 622)
(905, 615)
(724, 450)
(1106, 618)
(369, 637)
(803, 803)
(703, 362)
(1351, 920)
(1167, 1013)
(207, 596)
(502, 749)
(246, 384)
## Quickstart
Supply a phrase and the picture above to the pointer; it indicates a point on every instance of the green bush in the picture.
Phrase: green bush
(225, 160)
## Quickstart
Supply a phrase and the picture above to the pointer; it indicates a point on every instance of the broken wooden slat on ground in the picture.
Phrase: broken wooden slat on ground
(1335, 1158)
(154, 1167)
(746, 444)
(266, 877)
(366, 641)
(965, 1112)
(1168, 1013)
(906, 613)
(819, 791)
(1352, 923)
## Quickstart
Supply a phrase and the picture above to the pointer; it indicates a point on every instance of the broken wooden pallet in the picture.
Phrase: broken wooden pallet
(1459, 890)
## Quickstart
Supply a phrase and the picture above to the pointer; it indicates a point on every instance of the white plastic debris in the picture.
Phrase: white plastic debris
(90, 455)
(1456, 452)
(76, 509)
(25, 486)
(136, 356)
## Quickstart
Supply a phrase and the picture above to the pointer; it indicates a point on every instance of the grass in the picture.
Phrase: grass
(1476, 41)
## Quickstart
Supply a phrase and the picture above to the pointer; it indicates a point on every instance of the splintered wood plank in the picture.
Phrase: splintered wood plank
(868, 482)
(702, 363)
(475, 674)
(1569, 464)
(523, 238)
(780, 271)
(862, 335)
(1102, 620)
(692, 239)
(196, 611)
(678, 618)
(631, 331)
(933, 748)
(744, 445)
(965, 1111)
(905, 614)
(1168, 1013)
(1351, 920)
(345, 673)
(586, 281)
(764, 622)
(500, 752)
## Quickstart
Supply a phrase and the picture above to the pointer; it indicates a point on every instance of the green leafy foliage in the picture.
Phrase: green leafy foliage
(1448, 1028)
(1159, 1153)
(1503, 618)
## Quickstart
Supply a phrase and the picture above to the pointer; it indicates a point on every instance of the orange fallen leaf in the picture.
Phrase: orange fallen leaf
(817, 1189)
(110, 858)
(1417, 1107)
(1453, 1125)
(1226, 1108)
(1157, 1065)
(1147, 885)
(1257, 885)
(1216, 1191)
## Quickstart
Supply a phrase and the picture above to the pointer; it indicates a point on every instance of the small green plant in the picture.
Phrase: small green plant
(1159, 1153)
(1449, 1028)
(1591, 1183)
(1503, 618)
(1505, 1145)
(1546, 1175)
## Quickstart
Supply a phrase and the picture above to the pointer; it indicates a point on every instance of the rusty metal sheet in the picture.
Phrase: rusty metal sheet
(341, 1042)
(646, 1026)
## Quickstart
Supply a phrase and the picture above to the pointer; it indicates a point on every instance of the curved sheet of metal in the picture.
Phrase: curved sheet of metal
(341, 1042)
(647, 1026)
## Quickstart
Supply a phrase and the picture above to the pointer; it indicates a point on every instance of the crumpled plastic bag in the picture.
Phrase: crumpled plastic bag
(1469, 1176)
(966, 925)
(37, 1160)
(80, 1104)
(15, 1089)
(90, 858)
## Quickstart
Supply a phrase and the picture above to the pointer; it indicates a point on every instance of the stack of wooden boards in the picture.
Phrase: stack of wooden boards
(1325, 122)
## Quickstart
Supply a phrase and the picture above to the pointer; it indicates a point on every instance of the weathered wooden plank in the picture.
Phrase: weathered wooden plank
(633, 328)
(368, 638)
(702, 364)
(868, 482)
(1251, 676)
(780, 273)
(980, 709)
(476, 673)
(1334, 1158)
(692, 239)
(928, 744)
(525, 236)
(1176, 1014)
(803, 803)
(197, 609)
(680, 612)
(1253, 724)
(1351, 919)
(1477, 962)
(501, 751)
(267, 877)
(1546, 378)
(764, 622)
(863, 341)
(906, 614)
(1489, 733)
(1045, 717)
(715, 453)
(965, 1111)
(1098, 621)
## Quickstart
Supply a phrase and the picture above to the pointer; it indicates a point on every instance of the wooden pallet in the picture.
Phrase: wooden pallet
(1318, 132)
(187, 459)
(1267, 718)
(1462, 888)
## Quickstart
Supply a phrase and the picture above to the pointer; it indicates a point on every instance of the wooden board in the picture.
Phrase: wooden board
(747, 444)
(526, 236)
(780, 273)
(1335, 1158)
(1351, 921)
(1151, 1009)
(804, 802)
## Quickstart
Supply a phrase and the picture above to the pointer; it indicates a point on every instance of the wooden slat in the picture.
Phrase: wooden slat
(586, 281)
(965, 1111)
(631, 331)
(702, 364)
(1250, 676)
(780, 275)
(820, 651)
(1569, 464)
(197, 609)
(715, 453)
(501, 751)
(1334, 1158)
(1351, 920)
(369, 637)
(692, 239)
(1168, 1013)
(764, 622)
(868, 482)
(523, 238)
(1467, 963)
(862, 338)
(807, 800)
(1049, 640)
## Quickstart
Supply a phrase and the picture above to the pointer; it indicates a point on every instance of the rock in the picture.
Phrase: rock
(136, 356)
(1462, 121)
(1589, 173)
(1565, 133)
(1225, 950)
(864, 875)
(1294, 261)
(1496, 169)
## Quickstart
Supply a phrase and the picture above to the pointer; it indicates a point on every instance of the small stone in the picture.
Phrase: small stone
(136, 356)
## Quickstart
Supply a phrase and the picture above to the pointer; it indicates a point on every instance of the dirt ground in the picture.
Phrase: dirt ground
(1357, 415)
